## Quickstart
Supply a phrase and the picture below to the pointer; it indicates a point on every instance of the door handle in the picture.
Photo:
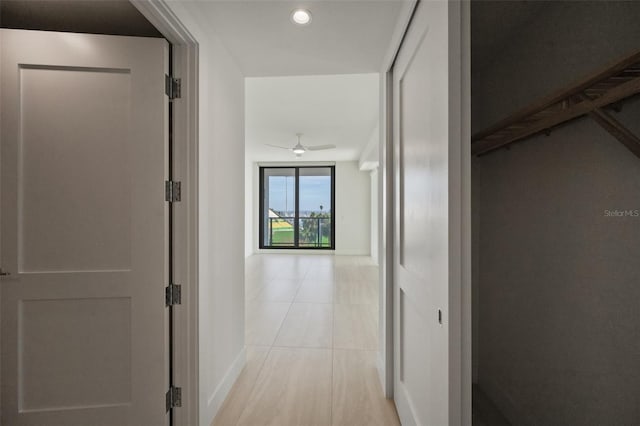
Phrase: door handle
(3, 273)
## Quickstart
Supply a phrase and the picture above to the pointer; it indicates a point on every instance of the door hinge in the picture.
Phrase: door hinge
(172, 191)
(173, 398)
(173, 294)
(172, 87)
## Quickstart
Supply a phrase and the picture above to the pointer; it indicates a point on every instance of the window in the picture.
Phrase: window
(296, 207)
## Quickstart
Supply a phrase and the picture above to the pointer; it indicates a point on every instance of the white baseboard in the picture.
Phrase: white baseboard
(311, 251)
(385, 381)
(342, 252)
(387, 388)
(380, 368)
(215, 400)
(295, 251)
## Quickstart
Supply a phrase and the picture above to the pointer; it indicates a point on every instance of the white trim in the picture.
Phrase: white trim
(465, 226)
(185, 169)
(255, 194)
(216, 399)
(368, 166)
(402, 24)
(297, 251)
(385, 205)
(369, 156)
(385, 202)
(381, 370)
(460, 227)
(352, 252)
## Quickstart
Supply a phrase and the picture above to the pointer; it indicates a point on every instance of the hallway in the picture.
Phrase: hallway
(311, 335)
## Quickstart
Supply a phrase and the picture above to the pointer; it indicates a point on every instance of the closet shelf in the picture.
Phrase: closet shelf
(588, 96)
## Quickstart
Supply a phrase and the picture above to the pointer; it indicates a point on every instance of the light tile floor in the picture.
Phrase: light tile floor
(312, 336)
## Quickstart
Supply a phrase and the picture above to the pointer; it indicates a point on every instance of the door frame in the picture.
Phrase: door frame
(185, 49)
(460, 345)
(386, 207)
(185, 213)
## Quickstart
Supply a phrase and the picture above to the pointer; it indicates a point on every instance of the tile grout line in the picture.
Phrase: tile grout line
(333, 325)
(253, 385)
(288, 310)
(264, 361)
(332, 349)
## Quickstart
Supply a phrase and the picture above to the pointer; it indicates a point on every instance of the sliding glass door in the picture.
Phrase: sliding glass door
(278, 207)
(296, 207)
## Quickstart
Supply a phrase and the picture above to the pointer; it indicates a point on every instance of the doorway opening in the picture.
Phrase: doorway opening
(311, 271)
(105, 63)
(551, 259)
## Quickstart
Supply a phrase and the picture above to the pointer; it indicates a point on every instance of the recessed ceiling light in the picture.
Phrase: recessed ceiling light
(301, 17)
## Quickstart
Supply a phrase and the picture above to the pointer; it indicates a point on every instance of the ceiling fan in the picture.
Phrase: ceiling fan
(300, 149)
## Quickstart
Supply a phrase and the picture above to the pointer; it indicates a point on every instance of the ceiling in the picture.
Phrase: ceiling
(344, 37)
(331, 109)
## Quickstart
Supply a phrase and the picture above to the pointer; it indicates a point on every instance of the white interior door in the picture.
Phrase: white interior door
(427, 126)
(84, 229)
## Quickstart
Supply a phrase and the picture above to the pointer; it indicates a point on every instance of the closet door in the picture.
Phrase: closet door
(428, 249)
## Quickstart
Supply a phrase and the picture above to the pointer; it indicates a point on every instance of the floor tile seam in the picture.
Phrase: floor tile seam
(297, 291)
(333, 334)
(315, 303)
(354, 304)
(254, 382)
(324, 348)
(354, 349)
(281, 324)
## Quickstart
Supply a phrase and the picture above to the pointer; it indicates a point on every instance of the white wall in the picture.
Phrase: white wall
(221, 202)
(369, 162)
(250, 206)
(370, 157)
(221, 225)
(353, 209)
(373, 175)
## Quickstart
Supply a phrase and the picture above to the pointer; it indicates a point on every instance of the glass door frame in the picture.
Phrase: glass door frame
(296, 227)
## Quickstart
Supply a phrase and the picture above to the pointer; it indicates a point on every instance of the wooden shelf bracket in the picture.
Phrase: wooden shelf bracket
(588, 96)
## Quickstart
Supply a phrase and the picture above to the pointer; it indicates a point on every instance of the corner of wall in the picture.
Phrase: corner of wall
(369, 157)
(250, 202)
(509, 408)
(353, 210)
(380, 367)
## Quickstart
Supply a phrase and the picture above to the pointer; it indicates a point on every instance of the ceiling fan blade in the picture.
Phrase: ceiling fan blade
(319, 147)
(276, 146)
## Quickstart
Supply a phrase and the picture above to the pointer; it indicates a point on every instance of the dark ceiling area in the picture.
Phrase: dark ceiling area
(115, 17)
(494, 22)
